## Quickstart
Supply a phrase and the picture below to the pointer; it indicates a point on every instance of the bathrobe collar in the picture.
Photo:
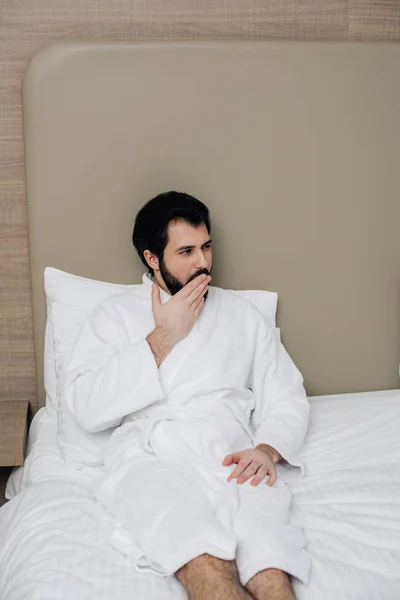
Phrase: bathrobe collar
(148, 280)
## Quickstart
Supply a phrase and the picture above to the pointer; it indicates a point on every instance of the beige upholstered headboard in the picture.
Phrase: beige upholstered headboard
(293, 146)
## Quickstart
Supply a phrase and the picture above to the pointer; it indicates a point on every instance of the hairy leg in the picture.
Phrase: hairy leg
(208, 577)
(270, 584)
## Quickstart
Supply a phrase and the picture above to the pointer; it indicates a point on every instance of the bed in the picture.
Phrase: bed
(80, 166)
(53, 532)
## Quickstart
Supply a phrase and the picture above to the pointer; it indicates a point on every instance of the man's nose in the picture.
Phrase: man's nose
(201, 261)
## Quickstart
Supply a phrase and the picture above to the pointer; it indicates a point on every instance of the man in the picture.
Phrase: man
(191, 378)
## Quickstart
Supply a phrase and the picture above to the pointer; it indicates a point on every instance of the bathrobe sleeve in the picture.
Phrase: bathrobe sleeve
(281, 413)
(106, 376)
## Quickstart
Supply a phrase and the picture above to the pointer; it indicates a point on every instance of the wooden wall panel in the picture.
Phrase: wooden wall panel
(378, 20)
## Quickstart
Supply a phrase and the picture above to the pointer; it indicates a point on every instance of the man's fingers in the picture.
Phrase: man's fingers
(155, 294)
(197, 301)
(191, 286)
(199, 307)
(228, 460)
(197, 294)
(251, 469)
(232, 458)
(272, 477)
(259, 476)
(243, 464)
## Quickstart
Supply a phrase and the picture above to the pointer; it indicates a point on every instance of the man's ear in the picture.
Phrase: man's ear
(151, 260)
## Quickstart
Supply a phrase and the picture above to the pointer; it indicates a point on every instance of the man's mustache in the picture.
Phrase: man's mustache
(197, 274)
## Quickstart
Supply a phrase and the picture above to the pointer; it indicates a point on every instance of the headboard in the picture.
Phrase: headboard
(293, 146)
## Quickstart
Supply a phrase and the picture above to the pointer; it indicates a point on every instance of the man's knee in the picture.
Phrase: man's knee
(276, 574)
(207, 566)
(269, 579)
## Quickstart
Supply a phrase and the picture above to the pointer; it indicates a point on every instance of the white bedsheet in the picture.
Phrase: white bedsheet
(52, 533)
(44, 461)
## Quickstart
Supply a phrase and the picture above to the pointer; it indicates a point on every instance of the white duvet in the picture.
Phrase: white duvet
(53, 532)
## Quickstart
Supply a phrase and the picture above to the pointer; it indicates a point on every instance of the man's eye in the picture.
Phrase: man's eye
(186, 252)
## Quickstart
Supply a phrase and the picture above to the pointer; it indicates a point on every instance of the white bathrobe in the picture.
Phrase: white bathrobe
(227, 386)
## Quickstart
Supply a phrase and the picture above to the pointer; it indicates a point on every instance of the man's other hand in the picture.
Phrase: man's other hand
(252, 463)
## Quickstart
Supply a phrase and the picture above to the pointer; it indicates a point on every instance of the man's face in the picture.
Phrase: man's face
(187, 255)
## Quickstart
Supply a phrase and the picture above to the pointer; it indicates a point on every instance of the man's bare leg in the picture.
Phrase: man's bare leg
(207, 577)
(270, 584)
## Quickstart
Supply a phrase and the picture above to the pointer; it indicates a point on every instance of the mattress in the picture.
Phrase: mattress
(53, 533)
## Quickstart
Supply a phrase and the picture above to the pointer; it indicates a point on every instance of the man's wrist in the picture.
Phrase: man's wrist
(276, 457)
(160, 344)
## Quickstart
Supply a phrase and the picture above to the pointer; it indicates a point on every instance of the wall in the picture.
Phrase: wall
(27, 27)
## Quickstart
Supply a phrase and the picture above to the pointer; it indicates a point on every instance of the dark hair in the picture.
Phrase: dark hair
(151, 224)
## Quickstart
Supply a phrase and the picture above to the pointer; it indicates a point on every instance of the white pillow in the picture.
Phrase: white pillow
(266, 302)
(69, 301)
(68, 289)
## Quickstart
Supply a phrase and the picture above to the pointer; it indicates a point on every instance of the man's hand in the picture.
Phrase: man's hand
(176, 317)
(252, 463)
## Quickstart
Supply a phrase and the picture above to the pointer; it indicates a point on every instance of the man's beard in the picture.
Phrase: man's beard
(173, 284)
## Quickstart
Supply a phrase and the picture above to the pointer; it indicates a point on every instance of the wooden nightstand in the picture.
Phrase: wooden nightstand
(13, 432)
